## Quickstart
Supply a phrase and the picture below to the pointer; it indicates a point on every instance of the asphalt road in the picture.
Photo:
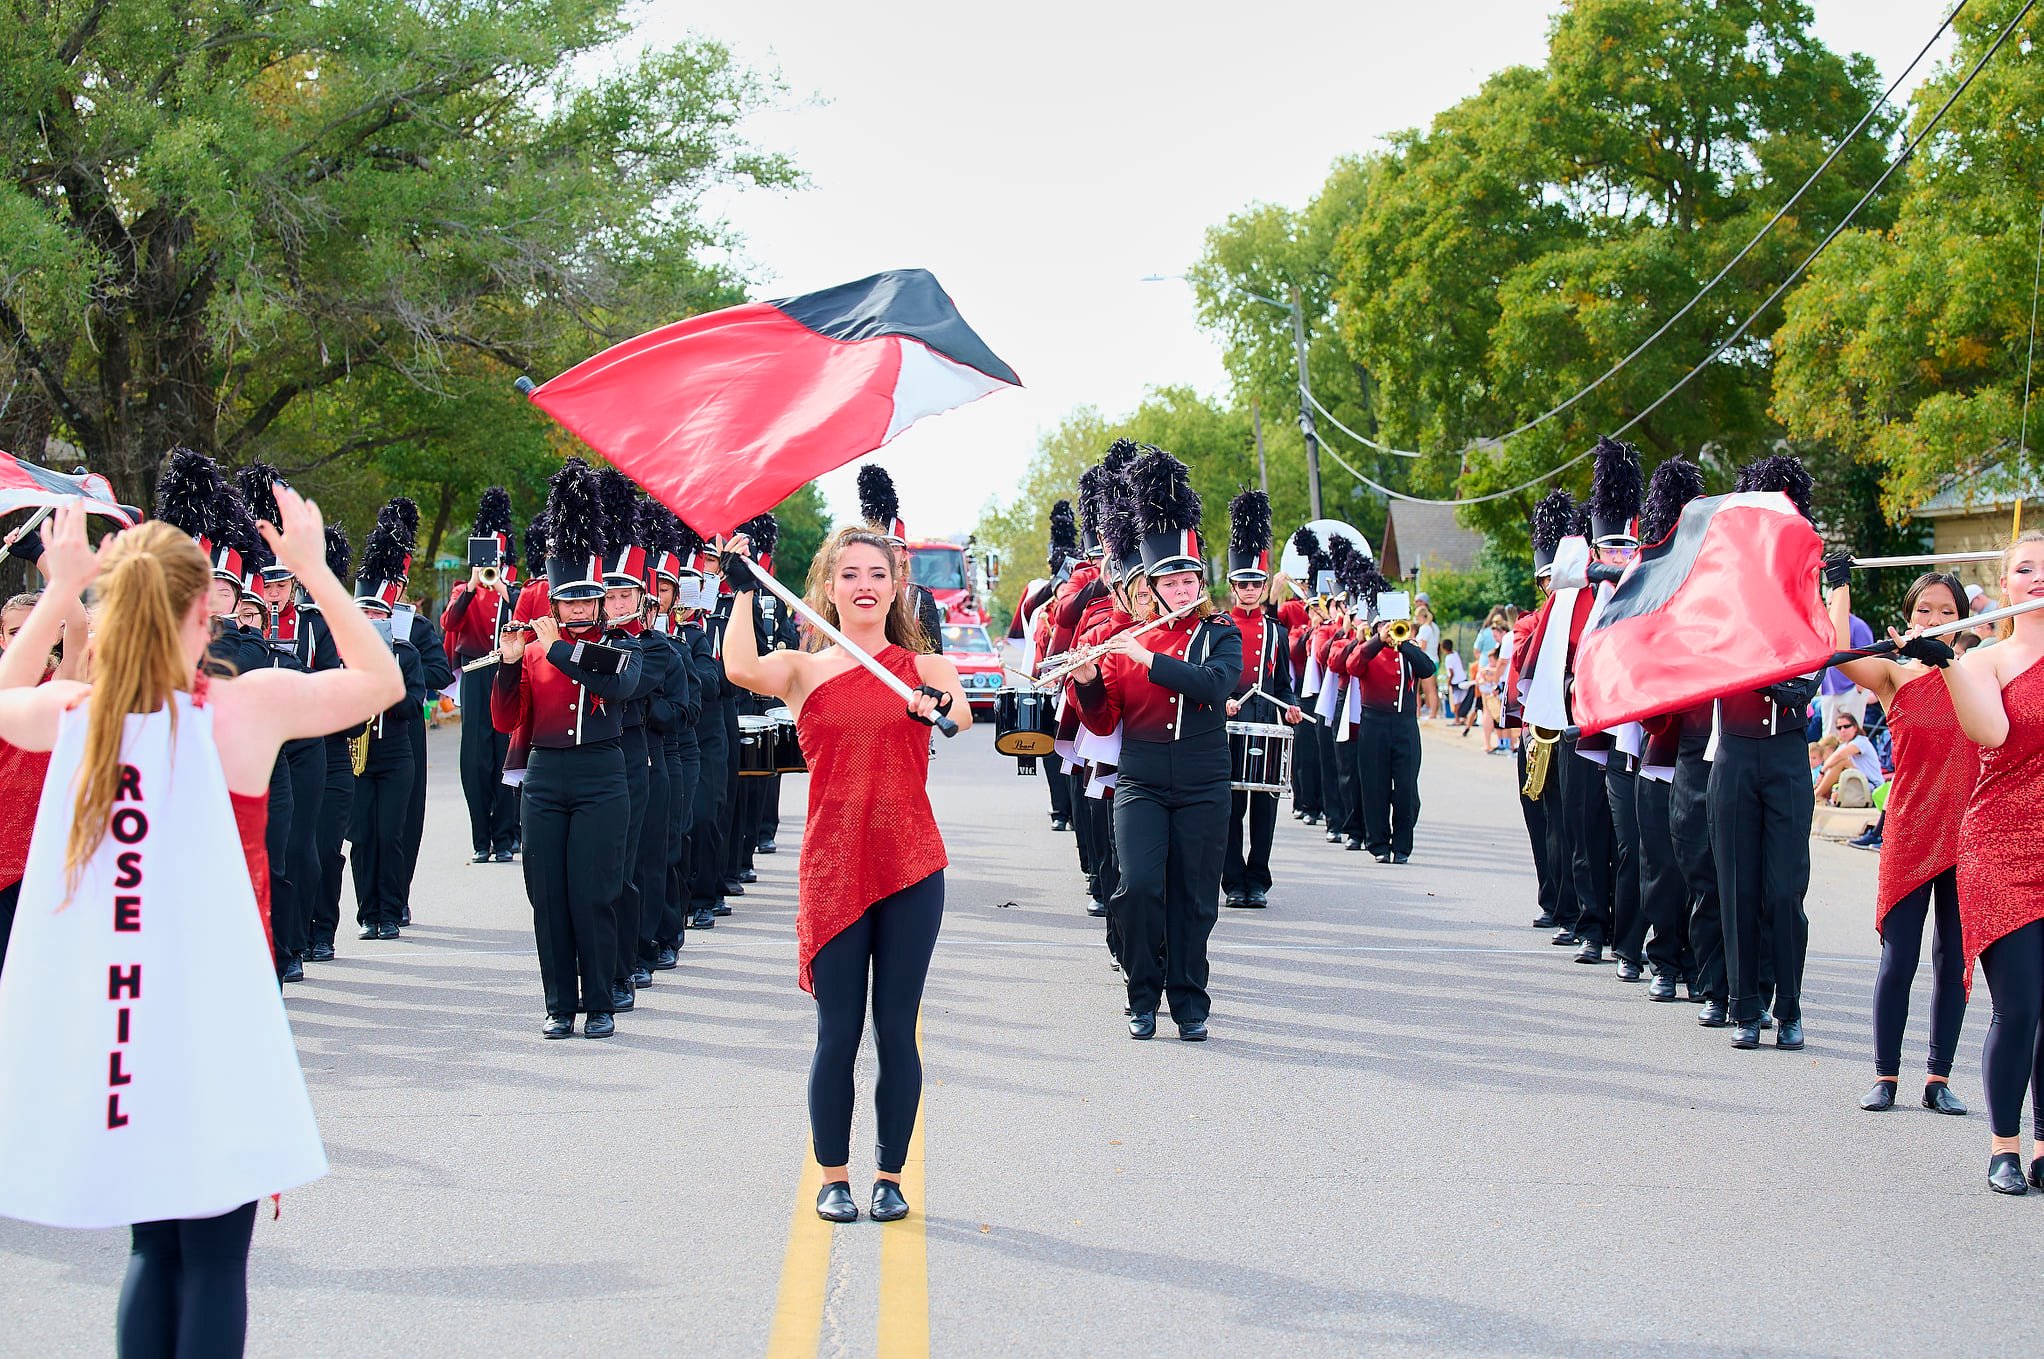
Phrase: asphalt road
(1418, 1130)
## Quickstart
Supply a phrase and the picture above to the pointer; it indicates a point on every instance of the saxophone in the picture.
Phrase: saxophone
(1539, 759)
(358, 748)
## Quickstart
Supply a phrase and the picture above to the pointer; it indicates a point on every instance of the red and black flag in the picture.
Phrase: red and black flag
(721, 416)
(25, 485)
(1727, 602)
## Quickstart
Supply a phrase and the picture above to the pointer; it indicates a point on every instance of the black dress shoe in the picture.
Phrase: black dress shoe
(320, 953)
(1590, 952)
(1543, 921)
(747, 875)
(1661, 989)
(888, 1204)
(599, 1025)
(2037, 1172)
(1236, 900)
(1563, 937)
(1766, 1018)
(502, 856)
(1095, 907)
(834, 1203)
(1298, 815)
(1695, 992)
(405, 917)
(1936, 1095)
(1712, 1015)
(666, 960)
(1789, 1037)
(643, 976)
(1258, 901)
(481, 856)
(368, 931)
(294, 971)
(1195, 1032)
(1880, 1099)
(621, 998)
(558, 1026)
(721, 908)
(1058, 823)
(1399, 859)
(733, 888)
(1629, 971)
(766, 847)
(386, 931)
(1353, 843)
(1746, 1036)
(2005, 1174)
(1382, 856)
(1334, 837)
(703, 919)
(1312, 818)
(1143, 1025)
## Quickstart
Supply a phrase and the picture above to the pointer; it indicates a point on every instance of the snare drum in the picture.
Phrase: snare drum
(788, 756)
(1260, 756)
(755, 746)
(1025, 724)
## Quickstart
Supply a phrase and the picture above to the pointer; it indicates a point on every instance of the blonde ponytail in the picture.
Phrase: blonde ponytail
(152, 576)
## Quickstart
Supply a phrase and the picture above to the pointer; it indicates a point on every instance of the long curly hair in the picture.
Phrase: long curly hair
(904, 629)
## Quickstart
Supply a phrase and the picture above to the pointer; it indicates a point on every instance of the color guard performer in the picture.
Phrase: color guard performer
(477, 610)
(1263, 693)
(1169, 689)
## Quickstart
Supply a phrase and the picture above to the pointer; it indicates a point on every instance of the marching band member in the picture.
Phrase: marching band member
(1263, 693)
(1299, 615)
(872, 871)
(337, 795)
(744, 794)
(670, 749)
(437, 672)
(1128, 603)
(1066, 552)
(699, 743)
(1760, 806)
(1998, 694)
(1540, 808)
(1170, 690)
(1387, 675)
(477, 610)
(568, 692)
(1936, 768)
(385, 775)
(1340, 702)
(1613, 780)
(717, 747)
(1575, 841)
(210, 1102)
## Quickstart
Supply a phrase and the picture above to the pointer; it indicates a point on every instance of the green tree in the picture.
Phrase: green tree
(331, 234)
(805, 522)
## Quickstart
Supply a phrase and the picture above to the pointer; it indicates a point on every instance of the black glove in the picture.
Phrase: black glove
(1598, 573)
(1792, 693)
(737, 571)
(943, 704)
(27, 548)
(1837, 570)
(1930, 650)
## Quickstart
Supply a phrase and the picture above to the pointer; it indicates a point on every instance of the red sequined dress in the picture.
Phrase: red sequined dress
(1936, 768)
(22, 775)
(870, 831)
(2001, 844)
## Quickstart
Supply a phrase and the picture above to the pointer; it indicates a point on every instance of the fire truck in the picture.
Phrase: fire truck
(958, 578)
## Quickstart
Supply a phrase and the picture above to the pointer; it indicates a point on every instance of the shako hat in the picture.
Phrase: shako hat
(1615, 482)
(624, 556)
(1553, 519)
(1167, 513)
(1675, 483)
(574, 533)
(1249, 537)
(879, 505)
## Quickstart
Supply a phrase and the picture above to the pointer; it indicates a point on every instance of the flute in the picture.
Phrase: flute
(1073, 660)
(495, 657)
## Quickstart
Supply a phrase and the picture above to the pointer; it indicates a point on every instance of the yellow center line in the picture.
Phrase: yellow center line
(805, 1273)
(905, 1256)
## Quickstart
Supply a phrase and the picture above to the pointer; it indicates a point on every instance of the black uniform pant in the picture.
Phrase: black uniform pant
(1060, 780)
(627, 906)
(1689, 832)
(1546, 882)
(1628, 920)
(1901, 947)
(748, 811)
(2013, 1056)
(307, 762)
(706, 835)
(376, 827)
(1760, 805)
(336, 809)
(492, 803)
(1663, 900)
(1389, 779)
(575, 811)
(1085, 837)
(415, 802)
(1246, 868)
(1589, 826)
(277, 848)
(649, 870)
(1308, 752)
(186, 1290)
(10, 898)
(769, 813)
(1169, 802)
(1568, 910)
(684, 772)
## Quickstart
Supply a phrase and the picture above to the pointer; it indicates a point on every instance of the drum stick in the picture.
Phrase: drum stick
(851, 648)
(1283, 706)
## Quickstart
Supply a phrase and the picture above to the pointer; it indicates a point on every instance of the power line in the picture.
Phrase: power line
(1903, 159)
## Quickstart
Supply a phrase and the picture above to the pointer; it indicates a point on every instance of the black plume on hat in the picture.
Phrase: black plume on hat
(690, 542)
(620, 508)
(1782, 472)
(1676, 482)
(1092, 496)
(535, 545)
(187, 491)
(1615, 482)
(493, 513)
(1161, 489)
(1306, 543)
(658, 529)
(1249, 523)
(231, 525)
(1339, 550)
(1355, 572)
(765, 532)
(1553, 520)
(384, 556)
(574, 515)
(406, 511)
(1119, 533)
(1064, 534)
(339, 555)
(878, 503)
(258, 483)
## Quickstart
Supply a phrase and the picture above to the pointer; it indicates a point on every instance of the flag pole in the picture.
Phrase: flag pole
(851, 648)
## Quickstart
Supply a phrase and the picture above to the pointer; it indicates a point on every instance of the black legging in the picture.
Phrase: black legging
(186, 1294)
(1901, 946)
(2014, 966)
(893, 941)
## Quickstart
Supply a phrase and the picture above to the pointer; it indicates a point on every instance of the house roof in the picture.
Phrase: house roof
(1426, 536)
(1991, 491)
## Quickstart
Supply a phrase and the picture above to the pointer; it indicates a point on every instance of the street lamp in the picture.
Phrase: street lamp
(1306, 426)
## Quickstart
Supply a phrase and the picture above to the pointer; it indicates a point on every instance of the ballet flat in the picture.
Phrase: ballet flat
(2005, 1174)
(1938, 1096)
(1880, 1099)
(834, 1203)
(888, 1204)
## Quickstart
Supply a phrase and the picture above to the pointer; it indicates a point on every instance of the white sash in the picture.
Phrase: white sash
(149, 1070)
(1546, 704)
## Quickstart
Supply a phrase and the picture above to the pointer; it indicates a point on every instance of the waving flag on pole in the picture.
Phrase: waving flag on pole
(721, 416)
(25, 486)
(1727, 602)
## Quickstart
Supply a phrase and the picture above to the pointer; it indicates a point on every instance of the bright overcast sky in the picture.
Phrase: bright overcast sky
(1041, 159)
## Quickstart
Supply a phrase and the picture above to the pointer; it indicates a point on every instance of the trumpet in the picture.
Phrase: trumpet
(1073, 660)
(1399, 630)
(488, 576)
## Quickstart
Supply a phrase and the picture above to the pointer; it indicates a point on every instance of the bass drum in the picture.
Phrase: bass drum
(788, 756)
(1260, 756)
(755, 746)
(1025, 724)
